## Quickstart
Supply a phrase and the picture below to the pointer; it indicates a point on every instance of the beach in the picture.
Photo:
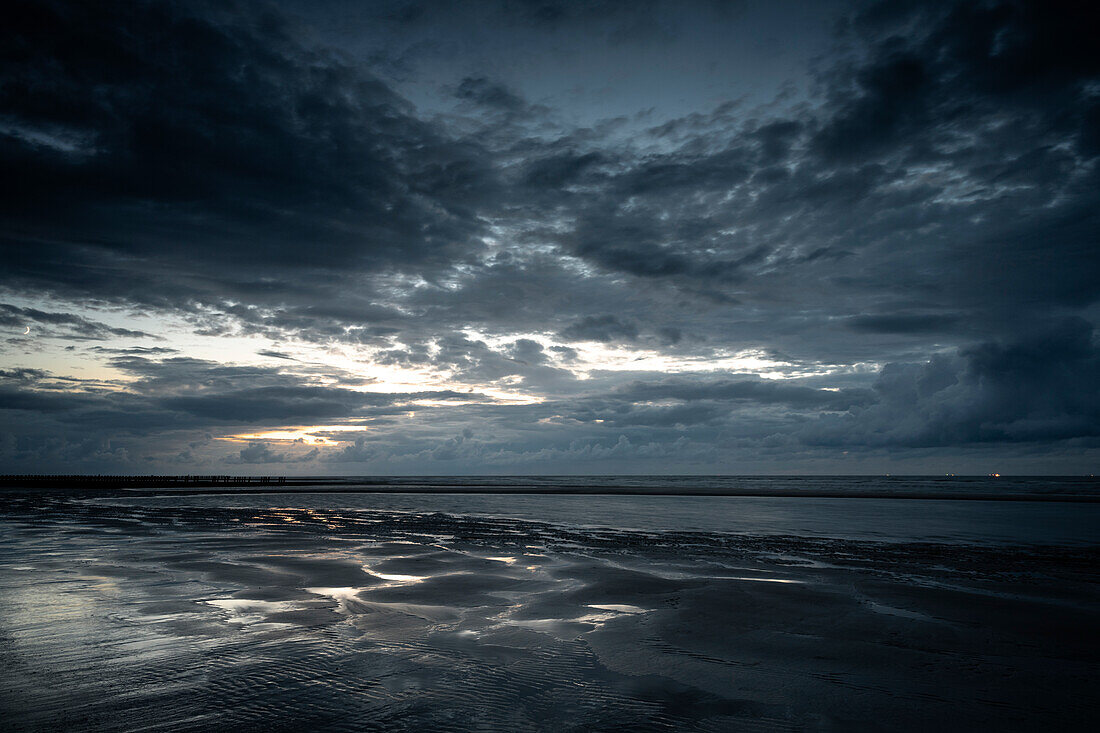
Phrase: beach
(353, 612)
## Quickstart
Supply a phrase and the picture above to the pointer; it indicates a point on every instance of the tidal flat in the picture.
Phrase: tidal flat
(277, 613)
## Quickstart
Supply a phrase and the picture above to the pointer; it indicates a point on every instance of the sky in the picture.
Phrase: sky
(545, 237)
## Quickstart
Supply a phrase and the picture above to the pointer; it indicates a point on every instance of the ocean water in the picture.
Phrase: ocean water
(1016, 510)
(1039, 487)
(885, 520)
(845, 606)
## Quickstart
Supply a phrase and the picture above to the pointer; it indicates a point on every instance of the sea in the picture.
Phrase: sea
(640, 603)
(1010, 510)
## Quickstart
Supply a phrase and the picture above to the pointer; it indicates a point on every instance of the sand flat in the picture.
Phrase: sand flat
(118, 617)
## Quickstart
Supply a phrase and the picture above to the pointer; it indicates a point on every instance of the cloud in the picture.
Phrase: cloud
(906, 249)
(1042, 387)
(604, 328)
(733, 207)
(23, 374)
(63, 325)
(902, 323)
(357, 451)
(929, 154)
(275, 354)
(750, 390)
(259, 452)
(174, 139)
(494, 95)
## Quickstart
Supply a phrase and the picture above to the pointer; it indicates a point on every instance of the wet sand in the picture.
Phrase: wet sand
(177, 618)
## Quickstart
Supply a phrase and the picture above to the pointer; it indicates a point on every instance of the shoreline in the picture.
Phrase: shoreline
(333, 488)
(330, 617)
(1081, 490)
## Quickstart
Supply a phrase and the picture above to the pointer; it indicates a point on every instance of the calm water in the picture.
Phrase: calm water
(884, 486)
(888, 518)
(342, 611)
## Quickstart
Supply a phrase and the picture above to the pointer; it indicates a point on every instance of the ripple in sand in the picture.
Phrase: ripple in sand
(634, 632)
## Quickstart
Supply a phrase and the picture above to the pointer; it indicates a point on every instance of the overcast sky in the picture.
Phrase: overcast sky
(536, 236)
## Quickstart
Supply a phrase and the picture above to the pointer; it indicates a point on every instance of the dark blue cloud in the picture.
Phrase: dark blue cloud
(903, 239)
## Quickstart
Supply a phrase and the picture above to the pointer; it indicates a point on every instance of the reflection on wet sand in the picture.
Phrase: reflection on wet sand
(115, 618)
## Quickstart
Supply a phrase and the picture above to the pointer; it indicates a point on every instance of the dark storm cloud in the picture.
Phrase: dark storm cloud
(528, 352)
(914, 241)
(260, 452)
(177, 399)
(693, 401)
(749, 390)
(275, 354)
(967, 138)
(475, 362)
(1033, 390)
(149, 351)
(486, 93)
(206, 391)
(184, 392)
(557, 170)
(269, 404)
(976, 59)
(314, 170)
(66, 325)
(902, 323)
(142, 139)
(600, 328)
(357, 451)
(619, 21)
(23, 375)
(1041, 387)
